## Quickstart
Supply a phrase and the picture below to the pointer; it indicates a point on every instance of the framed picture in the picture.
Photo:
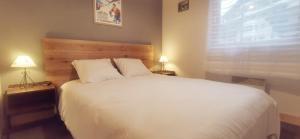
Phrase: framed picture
(108, 12)
(183, 5)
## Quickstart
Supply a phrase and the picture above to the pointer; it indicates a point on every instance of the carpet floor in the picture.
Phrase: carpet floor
(52, 129)
(55, 129)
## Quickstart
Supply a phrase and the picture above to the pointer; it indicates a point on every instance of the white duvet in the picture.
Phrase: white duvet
(163, 107)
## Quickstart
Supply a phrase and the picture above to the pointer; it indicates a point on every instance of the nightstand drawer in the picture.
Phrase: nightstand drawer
(28, 108)
(23, 119)
(34, 98)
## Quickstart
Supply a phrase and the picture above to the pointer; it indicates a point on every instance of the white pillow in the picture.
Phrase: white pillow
(131, 67)
(97, 70)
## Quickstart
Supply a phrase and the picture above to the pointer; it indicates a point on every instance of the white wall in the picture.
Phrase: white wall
(184, 37)
(287, 103)
(184, 42)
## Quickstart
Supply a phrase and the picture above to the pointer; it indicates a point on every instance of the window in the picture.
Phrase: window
(254, 37)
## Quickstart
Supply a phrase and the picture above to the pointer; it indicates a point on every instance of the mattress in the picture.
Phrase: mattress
(164, 107)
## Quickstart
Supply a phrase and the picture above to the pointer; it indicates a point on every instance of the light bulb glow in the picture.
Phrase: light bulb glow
(163, 59)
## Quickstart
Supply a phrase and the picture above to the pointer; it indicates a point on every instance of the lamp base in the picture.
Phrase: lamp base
(163, 66)
(26, 80)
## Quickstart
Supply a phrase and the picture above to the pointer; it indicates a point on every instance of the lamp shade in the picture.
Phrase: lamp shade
(23, 62)
(163, 59)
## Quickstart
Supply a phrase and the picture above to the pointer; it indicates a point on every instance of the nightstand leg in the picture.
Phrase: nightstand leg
(6, 131)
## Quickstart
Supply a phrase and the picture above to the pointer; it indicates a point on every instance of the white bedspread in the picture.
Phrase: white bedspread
(163, 107)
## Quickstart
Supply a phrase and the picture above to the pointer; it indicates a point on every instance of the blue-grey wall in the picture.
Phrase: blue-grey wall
(24, 23)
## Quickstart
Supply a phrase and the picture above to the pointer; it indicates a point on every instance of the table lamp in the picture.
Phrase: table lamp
(24, 62)
(163, 60)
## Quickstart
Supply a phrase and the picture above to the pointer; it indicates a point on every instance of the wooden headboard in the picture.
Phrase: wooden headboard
(59, 53)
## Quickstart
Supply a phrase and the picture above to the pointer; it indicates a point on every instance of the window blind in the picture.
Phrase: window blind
(254, 37)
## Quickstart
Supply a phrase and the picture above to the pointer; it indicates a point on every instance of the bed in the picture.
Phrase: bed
(153, 106)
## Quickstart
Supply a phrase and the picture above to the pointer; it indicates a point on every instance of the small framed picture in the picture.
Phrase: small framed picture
(183, 6)
(108, 12)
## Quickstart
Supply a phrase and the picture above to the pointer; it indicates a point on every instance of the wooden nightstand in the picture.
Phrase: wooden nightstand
(166, 72)
(28, 105)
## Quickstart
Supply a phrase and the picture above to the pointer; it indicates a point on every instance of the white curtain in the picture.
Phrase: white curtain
(255, 38)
